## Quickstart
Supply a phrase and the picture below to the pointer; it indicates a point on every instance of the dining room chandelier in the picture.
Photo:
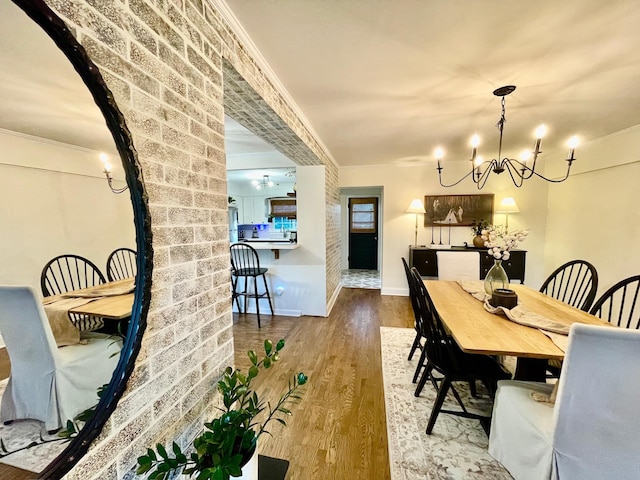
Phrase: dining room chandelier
(264, 183)
(519, 170)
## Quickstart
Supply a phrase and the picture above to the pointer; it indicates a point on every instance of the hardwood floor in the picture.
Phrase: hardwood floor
(338, 430)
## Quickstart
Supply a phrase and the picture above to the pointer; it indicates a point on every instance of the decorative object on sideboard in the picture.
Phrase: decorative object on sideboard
(519, 170)
(104, 158)
(416, 206)
(499, 243)
(507, 205)
(228, 445)
(477, 227)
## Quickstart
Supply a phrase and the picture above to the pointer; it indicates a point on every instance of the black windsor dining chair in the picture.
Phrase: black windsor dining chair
(445, 357)
(121, 264)
(618, 304)
(68, 272)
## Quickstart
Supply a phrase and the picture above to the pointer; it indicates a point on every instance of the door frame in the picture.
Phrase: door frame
(359, 192)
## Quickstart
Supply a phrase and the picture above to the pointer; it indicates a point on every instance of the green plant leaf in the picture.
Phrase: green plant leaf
(253, 357)
(267, 362)
(268, 346)
(253, 371)
(280, 344)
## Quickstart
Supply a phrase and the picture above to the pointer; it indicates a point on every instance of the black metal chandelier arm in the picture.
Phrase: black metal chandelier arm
(110, 182)
(557, 180)
(517, 175)
(484, 176)
(453, 184)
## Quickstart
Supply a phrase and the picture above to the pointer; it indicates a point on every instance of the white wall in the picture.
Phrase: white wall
(404, 183)
(595, 214)
(55, 200)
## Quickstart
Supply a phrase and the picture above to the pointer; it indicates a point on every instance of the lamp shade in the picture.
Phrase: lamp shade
(508, 205)
(416, 206)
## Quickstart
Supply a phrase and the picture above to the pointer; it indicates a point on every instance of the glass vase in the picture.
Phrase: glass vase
(496, 278)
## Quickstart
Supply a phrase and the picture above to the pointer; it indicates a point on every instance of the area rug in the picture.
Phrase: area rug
(457, 448)
(22, 433)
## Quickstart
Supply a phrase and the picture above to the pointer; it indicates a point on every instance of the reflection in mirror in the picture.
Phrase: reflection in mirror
(51, 136)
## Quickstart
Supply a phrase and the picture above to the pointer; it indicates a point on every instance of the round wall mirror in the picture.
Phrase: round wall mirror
(56, 118)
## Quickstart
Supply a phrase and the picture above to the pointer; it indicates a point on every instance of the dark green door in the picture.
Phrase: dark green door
(363, 233)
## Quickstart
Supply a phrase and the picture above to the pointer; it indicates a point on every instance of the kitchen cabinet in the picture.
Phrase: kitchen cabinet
(253, 210)
(426, 262)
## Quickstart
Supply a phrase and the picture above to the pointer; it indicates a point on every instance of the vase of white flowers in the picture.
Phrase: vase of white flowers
(499, 244)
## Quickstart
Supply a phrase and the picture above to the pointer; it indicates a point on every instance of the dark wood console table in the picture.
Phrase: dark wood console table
(425, 260)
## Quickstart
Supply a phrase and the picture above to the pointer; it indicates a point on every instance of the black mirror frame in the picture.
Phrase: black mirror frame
(55, 27)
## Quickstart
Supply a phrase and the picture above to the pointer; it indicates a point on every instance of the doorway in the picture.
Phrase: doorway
(363, 233)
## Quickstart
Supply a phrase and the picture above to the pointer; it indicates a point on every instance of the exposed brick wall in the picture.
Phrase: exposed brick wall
(163, 61)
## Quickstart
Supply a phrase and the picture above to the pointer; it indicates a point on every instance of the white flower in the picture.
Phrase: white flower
(499, 242)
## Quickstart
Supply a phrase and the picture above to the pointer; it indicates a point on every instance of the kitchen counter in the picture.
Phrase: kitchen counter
(267, 244)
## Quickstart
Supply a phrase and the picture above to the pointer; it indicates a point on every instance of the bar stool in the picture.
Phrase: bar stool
(246, 264)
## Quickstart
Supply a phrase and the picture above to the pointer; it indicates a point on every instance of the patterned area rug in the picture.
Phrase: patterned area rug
(22, 433)
(457, 448)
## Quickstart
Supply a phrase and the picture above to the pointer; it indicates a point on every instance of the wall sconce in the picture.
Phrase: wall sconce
(507, 205)
(416, 206)
(104, 158)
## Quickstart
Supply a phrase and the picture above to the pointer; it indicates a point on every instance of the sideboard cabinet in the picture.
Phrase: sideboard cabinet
(426, 261)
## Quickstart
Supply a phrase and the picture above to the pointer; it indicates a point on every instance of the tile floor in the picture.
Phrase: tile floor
(361, 279)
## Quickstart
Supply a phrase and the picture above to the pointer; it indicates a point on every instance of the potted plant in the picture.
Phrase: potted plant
(227, 447)
(477, 227)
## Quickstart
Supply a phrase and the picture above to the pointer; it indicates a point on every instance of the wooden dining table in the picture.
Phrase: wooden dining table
(108, 303)
(476, 330)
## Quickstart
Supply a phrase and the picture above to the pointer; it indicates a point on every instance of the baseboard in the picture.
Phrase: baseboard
(332, 300)
(398, 292)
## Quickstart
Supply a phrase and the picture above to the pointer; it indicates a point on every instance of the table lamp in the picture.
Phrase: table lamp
(416, 206)
(507, 205)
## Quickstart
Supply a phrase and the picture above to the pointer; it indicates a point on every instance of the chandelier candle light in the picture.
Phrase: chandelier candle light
(519, 170)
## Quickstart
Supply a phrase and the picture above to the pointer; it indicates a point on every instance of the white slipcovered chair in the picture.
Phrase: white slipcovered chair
(458, 265)
(48, 383)
(593, 430)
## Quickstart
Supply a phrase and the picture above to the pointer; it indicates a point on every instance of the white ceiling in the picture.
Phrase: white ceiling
(386, 81)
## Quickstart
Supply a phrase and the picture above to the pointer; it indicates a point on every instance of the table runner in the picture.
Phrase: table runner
(64, 331)
(556, 331)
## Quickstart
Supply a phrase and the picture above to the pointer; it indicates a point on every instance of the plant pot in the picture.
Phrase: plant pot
(478, 241)
(250, 469)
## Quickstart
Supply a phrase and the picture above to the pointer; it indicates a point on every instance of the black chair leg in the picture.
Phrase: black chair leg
(426, 375)
(234, 289)
(266, 289)
(442, 394)
(421, 363)
(257, 297)
(416, 344)
(472, 389)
